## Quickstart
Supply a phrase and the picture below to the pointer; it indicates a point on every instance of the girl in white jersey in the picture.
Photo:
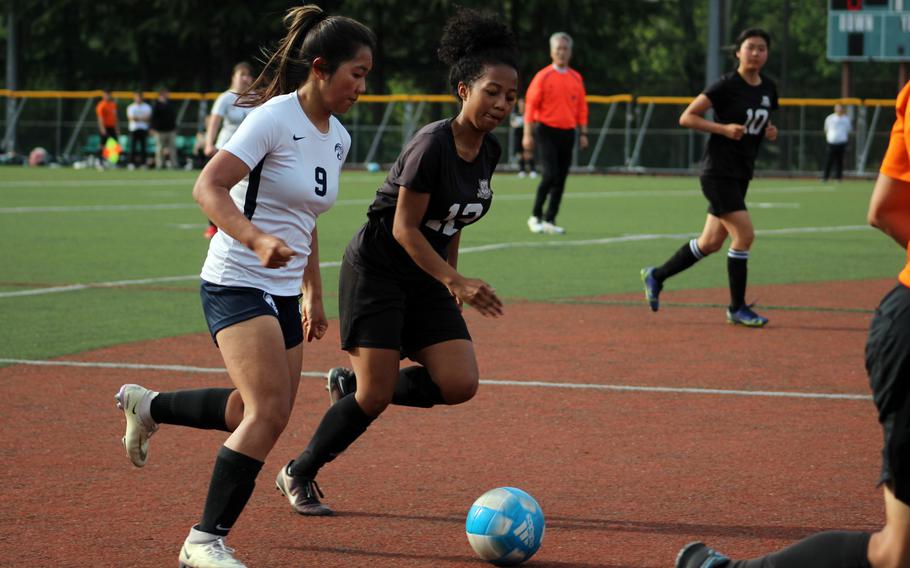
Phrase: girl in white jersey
(264, 189)
(225, 117)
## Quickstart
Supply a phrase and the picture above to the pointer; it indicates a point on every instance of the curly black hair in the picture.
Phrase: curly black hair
(472, 39)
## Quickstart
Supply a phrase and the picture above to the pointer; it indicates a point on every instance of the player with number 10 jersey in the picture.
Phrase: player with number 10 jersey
(742, 101)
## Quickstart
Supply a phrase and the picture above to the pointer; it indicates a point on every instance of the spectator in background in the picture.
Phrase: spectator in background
(226, 116)
(837, 133)
(555, 107)
(106, 111)
(525, 159)
(139, 114)
(164, 128)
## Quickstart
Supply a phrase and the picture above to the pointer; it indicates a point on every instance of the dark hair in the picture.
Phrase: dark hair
(470, 40)
(311, 33)
(752, 32)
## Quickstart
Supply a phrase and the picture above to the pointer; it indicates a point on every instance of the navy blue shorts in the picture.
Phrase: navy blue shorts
(226, 305)
(724, 195)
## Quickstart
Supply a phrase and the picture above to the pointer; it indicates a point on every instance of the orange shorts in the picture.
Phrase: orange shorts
(896, 164)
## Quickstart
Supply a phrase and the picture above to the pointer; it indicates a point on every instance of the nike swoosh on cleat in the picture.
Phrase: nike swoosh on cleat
(221, 528)
(185, 552)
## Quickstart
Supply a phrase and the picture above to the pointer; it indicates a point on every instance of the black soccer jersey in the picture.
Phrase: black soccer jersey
(735, 101)
(460, 194)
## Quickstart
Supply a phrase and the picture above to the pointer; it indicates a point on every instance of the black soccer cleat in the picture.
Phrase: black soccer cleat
(698, 555)
(340, 382)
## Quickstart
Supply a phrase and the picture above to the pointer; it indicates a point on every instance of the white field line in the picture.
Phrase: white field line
(501, 196)
(465, 250)
(525, 384)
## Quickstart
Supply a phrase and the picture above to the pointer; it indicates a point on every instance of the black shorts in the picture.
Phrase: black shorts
(385, 313)
(888, 365)
(725, 195)
(226, 305)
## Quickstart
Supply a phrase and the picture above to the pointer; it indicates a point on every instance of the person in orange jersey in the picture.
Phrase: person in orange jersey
(888, 366)
(108, 127)
(555, 107)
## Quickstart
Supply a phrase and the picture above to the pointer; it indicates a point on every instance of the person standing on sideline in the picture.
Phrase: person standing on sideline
(555, 107)
(837, 133)
(108, 126)
(226, 117)
(139, 114)
(400, 294)
(261, 286)
(164, 129)
(742, 101)
(888, 366)
(524, 158)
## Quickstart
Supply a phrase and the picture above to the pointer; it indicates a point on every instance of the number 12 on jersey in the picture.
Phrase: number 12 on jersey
(466, 213)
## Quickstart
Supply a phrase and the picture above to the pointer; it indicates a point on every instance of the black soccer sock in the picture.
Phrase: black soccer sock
(197, 408)
(522, 163)
(342, 424)
(415, 387)
(233, 480)
(833, 549)
(737, 272)
(686, 256)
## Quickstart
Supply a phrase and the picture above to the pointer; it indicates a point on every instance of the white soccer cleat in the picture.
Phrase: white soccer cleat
(551, 229)
(135, 402)
(535, 225)
(212, 554)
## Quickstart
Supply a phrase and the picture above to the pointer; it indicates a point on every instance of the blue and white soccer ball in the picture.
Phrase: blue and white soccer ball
(505, 526)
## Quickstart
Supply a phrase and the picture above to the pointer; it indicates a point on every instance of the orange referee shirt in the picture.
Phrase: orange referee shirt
(107, 112)
(557, 99)
(896, 164)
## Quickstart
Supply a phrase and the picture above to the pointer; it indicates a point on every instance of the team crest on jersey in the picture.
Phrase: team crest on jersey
(268, 300)
(339, 150)
(484, 191)
(765, 101)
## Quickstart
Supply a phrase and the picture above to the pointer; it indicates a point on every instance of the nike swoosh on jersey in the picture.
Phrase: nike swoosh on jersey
(296, 138)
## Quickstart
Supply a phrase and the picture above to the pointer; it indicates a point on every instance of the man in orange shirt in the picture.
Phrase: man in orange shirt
(106, 110)
(888, 366)
(555, 107)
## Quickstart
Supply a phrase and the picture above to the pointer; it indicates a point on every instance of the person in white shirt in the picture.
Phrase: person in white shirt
(139, 114)
(837, 134)
(261, 285)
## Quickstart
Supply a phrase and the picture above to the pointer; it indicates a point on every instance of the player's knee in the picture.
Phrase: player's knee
(270, 420)
(373, 404)
(744, 240)
(710, 246)
(460, 389)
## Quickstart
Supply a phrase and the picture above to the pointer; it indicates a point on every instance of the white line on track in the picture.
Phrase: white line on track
(466, 250)
(501, 196)
(525, 384)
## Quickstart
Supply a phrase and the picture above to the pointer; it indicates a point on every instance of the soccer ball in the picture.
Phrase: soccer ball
(505, 526)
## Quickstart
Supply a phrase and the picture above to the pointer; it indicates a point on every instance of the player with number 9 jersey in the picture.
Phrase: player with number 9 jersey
(742, 101)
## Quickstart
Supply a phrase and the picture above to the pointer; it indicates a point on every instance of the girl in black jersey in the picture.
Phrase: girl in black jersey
(400, 294)
(742, 101)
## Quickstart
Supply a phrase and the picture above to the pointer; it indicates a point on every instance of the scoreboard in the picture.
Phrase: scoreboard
(869, 30)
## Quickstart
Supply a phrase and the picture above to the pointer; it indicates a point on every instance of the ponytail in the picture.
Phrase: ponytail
(311, 33)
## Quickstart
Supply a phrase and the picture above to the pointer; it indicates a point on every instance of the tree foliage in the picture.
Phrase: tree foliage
(654, 47)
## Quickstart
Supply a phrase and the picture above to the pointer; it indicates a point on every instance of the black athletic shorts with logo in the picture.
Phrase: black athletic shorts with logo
(403, 314)
(725, 195)
(225, 306)
(888, 365)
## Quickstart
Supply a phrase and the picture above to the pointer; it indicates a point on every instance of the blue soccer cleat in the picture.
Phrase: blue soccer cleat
(652, 287)
(698, 555)
(745, 316)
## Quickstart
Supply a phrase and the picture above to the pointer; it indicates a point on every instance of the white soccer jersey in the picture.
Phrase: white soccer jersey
(231, 116)
(294, 171)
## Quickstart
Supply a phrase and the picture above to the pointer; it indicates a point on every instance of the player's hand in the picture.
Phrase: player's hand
(734, 131)
(527, 141)
(209, 150)
(771, 132)
(583, 141)
(314, 321)
(272, 251)
(479, 295)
